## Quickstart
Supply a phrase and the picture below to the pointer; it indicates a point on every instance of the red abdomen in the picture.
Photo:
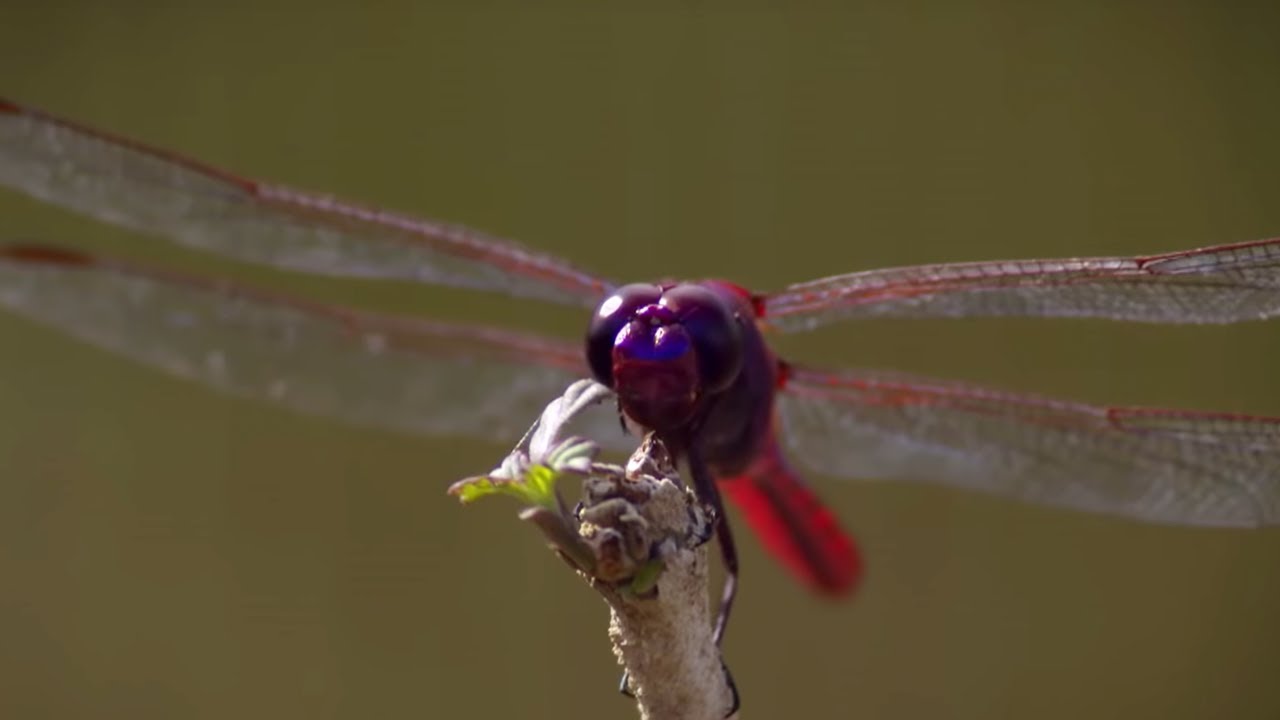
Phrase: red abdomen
(793, 523)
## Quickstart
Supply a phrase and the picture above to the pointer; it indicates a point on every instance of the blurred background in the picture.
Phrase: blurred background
(166, 552)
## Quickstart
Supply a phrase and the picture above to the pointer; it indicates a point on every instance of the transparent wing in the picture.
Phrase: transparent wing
(125, 183)
(1166, 466)
(1226, 283)
(398, 373)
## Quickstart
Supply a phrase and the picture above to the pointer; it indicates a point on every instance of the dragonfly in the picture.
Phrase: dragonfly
(689, 360)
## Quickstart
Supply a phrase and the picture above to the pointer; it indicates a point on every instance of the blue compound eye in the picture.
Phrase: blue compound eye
(714, 331)
(609, 319)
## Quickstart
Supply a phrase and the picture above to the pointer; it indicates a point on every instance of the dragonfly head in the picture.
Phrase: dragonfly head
(664, 349)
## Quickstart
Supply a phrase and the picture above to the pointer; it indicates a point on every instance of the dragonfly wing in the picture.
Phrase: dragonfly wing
(1167, 466)
(1226, 283)
(125, 183)
(398, 373)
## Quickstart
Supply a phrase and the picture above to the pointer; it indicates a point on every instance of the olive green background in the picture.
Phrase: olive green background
(169, 553)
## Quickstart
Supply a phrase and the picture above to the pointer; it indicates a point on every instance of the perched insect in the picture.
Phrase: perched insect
(688, 360)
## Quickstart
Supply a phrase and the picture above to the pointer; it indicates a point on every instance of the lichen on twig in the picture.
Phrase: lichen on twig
(638, 537)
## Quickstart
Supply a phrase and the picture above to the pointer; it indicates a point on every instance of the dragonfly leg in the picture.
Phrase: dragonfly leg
(704, 486)
(624, 684)
(735, 701)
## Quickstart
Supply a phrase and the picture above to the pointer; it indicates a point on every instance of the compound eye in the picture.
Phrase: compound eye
(609, 319)
(714, 330)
